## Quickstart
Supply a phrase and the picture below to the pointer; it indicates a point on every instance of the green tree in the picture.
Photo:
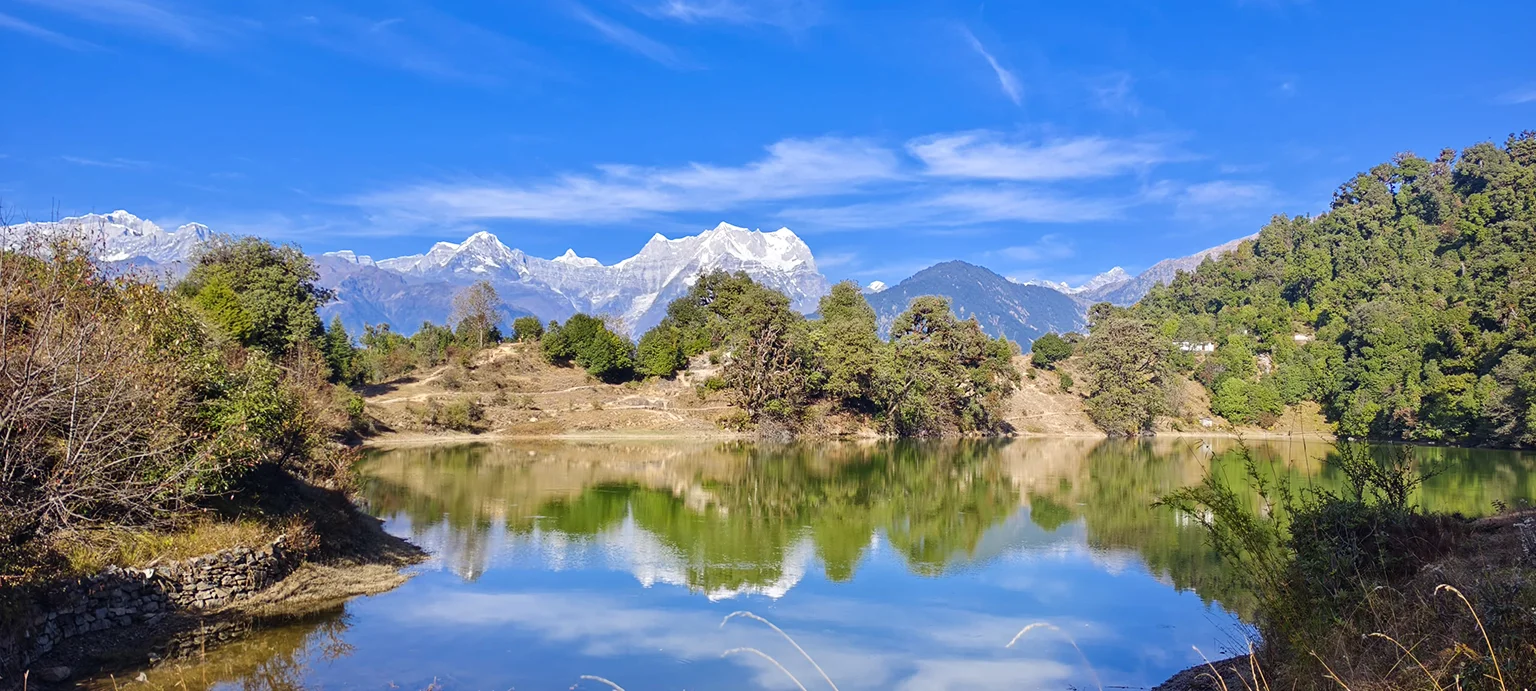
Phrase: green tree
(1126, 361)
(275, 295)
(660, 352)
(340, 353)
(941, 376)
(1409, 296)
(768, 341)
(527, 329)
(847, 343)
(587, 342)
(1049, 349)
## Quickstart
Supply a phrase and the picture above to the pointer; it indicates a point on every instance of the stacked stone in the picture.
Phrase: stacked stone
(119, 597)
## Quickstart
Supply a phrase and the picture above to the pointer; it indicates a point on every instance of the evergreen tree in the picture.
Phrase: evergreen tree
(1127, 362)
(527, 329)
(261, 295)
(847, 344)
(340, 353)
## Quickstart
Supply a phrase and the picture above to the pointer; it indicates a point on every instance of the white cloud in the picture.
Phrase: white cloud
(953, 208)
(159, 19)
(1524, 94)
(787, 14)
(9, 23)
(421, 41)
(1218, 197)
(629, 38)
(1005, 79)
(793, 168)
(121, 163)
(1050, 247)
(988, 155)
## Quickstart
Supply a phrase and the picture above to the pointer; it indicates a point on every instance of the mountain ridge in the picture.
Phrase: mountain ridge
(408, 290)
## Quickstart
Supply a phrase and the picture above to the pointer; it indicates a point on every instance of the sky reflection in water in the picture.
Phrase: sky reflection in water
(893, 565)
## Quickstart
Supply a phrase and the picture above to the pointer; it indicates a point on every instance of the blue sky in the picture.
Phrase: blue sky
(1049, 140)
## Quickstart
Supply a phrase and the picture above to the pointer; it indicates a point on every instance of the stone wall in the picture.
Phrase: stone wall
(118, 598)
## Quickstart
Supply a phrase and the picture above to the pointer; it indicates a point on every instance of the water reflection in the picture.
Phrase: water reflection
(735, 518)
(897, 565)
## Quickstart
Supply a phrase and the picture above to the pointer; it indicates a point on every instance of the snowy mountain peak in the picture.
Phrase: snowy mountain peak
(724, 227)
(571, 258)
(1108, 278)
(124, 236)
(875, 287)
(1115, 275)
(351, 257)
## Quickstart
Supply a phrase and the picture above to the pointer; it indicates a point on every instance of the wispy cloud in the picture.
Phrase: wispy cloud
(1523, 94)
(162, 20)
(629, 39)
(119, 163)
(9, 23)
(792, 169)
(1113, 93)
(990, 155)
(787, 14)
(1050, 247)
(419, 40)
(959, 208)
(1005, 79)
(1218, 198)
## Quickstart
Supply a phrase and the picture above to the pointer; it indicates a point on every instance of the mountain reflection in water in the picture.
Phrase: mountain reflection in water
(894, 564)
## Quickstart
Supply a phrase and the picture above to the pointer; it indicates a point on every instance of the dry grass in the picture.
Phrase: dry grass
(89, 551)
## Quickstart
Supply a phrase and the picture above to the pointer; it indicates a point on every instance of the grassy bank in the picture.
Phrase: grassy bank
(1360, 589)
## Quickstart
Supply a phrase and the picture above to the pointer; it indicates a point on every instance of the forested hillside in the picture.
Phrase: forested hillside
(1406, 309)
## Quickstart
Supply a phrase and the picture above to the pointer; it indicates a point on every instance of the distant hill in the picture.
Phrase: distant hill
(1128, 290)
(1019, 312)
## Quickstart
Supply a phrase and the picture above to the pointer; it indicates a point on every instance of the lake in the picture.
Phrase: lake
(892, 565)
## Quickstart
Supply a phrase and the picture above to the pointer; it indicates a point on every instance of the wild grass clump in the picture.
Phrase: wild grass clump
(89, 551)
(1361, 588)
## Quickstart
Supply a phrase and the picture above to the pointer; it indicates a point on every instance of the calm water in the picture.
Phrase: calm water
(892, 565)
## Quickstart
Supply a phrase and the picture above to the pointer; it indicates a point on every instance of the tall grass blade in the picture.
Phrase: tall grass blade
(792, 642)
(1043, 625)
(1411, 656)
(769, 658)
(1479, 620)
(590, 677)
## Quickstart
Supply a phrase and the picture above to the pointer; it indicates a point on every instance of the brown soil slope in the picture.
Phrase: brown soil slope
(521, 395)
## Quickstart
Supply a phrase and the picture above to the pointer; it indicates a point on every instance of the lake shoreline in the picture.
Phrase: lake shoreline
(392, 440)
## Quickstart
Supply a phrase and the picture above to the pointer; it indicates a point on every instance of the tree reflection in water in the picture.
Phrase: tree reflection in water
(736, 516)
(280, 658)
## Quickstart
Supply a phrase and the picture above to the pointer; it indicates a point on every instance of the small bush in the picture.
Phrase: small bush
(458, 415)
(736, 421)
(714, 384)
(1066, 380)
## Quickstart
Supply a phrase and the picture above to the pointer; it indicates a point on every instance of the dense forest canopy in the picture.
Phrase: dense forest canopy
(1405, 310)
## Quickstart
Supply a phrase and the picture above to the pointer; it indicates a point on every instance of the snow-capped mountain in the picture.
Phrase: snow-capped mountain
(405, 291)
(635, 290)
(1112, 276)
(125, 236)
